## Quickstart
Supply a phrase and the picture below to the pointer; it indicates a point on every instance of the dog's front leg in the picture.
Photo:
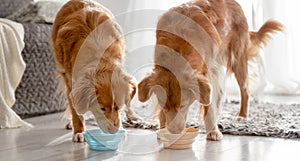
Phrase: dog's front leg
(77, 121)
(211, 112)
(78, 126)
(210, 120)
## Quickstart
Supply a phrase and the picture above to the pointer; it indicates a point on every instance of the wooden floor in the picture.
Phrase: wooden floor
(49, 141)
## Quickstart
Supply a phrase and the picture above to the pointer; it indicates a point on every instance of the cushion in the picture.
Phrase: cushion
(38, 12)
(7, 7)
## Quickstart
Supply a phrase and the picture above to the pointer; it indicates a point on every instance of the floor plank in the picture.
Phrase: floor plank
(49, 141)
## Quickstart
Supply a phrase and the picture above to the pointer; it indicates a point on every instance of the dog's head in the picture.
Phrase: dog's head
(174, 95)
(103, 93)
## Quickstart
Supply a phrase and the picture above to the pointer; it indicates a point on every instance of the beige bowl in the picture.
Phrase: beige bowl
(178, 141)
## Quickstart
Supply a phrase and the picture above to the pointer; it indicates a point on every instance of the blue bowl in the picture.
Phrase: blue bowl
(98, 140)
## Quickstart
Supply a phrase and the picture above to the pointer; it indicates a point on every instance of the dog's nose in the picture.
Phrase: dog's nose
(112, 130)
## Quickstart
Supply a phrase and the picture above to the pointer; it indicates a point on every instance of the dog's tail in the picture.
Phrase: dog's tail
(263, 35)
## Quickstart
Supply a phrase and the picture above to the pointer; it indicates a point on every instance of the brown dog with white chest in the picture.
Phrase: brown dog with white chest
(196, 43)
(89, 51)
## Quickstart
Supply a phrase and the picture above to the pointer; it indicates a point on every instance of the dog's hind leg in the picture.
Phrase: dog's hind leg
(241, 75)
(69, 125)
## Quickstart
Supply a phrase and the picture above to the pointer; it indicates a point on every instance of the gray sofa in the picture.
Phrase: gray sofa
(36, 94)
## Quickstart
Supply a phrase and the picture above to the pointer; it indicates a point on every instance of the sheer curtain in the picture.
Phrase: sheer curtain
(139, 31)
(276, 71)
(282, 55)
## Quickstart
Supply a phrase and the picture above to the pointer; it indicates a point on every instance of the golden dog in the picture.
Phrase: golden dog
(196, 41)
(89, 51)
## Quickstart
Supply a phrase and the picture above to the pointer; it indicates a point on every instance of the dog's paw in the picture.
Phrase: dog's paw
(241, 118)
(214, 135)
(78, 137)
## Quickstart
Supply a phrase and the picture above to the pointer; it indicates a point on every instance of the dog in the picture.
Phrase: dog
(195, 42)
(89, 51)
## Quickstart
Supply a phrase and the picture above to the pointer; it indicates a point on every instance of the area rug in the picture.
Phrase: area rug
(265, 119)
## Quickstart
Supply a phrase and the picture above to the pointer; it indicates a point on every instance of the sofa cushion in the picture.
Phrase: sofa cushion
(37, 92)
(37, 12)
(7, 7)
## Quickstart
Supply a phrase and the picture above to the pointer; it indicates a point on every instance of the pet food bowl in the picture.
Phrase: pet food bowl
(183, 140)
(140, 142)
(99, 140)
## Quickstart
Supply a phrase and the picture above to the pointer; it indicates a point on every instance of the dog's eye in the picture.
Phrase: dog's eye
(103, 109)
(182, 107)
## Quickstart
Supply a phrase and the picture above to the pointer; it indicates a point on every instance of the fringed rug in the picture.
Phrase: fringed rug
(265, 119)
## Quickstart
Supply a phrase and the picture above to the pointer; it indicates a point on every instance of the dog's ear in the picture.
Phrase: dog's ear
(144, 88)
(202, 90)
(132, 84)
(124, 87)
(83, 94)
